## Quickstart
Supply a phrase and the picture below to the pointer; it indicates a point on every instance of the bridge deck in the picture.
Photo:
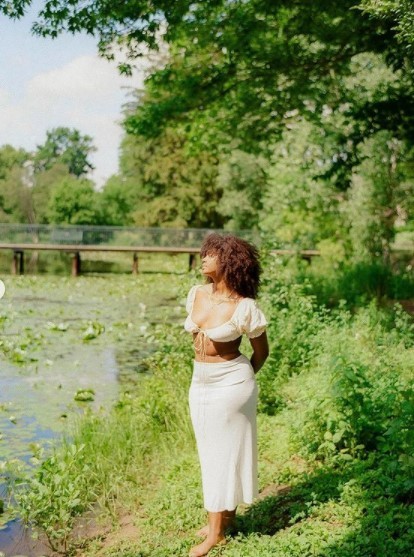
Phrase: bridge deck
(95, 247)
(75, 239)
(75, 249)
(104, 247)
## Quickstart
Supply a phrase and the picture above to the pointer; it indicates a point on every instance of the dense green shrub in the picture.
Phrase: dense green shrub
(357, 283)
(294, 323)
(344, 379)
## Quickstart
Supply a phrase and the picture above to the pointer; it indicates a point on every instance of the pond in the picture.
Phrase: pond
(67, 344)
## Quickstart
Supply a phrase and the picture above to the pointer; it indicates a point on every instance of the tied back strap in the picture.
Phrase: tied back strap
(200, 343)
(200, 347)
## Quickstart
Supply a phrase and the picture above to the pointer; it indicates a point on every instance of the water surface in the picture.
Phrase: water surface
(62, 335)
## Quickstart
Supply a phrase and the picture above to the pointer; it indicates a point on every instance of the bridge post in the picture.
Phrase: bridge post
(18, 262)
(76, 264)
(306, 257)
(192, 263)
(135, 264)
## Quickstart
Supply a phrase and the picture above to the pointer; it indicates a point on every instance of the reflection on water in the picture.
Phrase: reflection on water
(15, 539)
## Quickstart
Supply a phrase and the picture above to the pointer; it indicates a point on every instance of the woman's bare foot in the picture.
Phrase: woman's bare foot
(204, 547)
(203, 532)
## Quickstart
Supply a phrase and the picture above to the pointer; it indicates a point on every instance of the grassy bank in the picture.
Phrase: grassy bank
(336, 444)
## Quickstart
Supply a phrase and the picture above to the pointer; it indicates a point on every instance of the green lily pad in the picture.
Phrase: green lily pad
(85, 395)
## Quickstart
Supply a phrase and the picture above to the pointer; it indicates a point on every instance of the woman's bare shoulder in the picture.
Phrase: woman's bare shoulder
(205, 288)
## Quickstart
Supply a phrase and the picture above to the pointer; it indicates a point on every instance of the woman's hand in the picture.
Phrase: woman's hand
(260, 351)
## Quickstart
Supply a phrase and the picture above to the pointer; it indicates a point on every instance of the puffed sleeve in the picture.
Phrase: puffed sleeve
(254, 320)
(190, 299)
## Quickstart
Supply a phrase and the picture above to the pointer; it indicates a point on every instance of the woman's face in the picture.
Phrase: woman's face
(210, 264)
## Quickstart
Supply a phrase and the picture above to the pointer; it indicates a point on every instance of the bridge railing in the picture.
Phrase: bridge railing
(109, 235)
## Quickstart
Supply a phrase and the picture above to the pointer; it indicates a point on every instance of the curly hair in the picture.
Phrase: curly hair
(238, 262)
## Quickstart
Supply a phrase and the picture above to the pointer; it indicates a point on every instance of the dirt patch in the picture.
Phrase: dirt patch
(103, 535)
(408, 305)
(274, 490)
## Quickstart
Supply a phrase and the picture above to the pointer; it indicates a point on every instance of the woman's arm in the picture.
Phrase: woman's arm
(260, 351)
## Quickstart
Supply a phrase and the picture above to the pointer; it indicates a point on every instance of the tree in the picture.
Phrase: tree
(238, 76)
(27, 180)
(74, 201)
(67, 146)
(16, 197)
(238, 69)
(11, 157)
(243, 178)
(173, 187)
(119, 198)
(382, 190)
(15, 182)
(301, 210)
(44, 183)
(400, 14)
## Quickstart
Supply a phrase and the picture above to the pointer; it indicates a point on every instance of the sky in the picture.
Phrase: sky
(46, 83)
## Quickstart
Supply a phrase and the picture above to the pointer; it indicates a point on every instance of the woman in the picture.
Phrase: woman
(223, 392)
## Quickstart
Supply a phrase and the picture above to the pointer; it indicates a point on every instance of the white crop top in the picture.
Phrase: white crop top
(247, 318)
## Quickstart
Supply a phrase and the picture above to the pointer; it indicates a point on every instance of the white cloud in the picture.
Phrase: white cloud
(4, 97)
(83, 79)
(86, 93)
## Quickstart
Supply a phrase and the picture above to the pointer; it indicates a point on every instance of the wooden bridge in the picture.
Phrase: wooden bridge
(75, 239)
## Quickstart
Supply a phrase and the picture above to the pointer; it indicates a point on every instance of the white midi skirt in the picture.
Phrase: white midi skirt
(223, 402)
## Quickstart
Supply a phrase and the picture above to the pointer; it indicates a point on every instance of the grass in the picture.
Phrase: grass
(336, 444)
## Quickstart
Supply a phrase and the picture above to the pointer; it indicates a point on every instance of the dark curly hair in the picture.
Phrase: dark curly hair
(238, 262)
